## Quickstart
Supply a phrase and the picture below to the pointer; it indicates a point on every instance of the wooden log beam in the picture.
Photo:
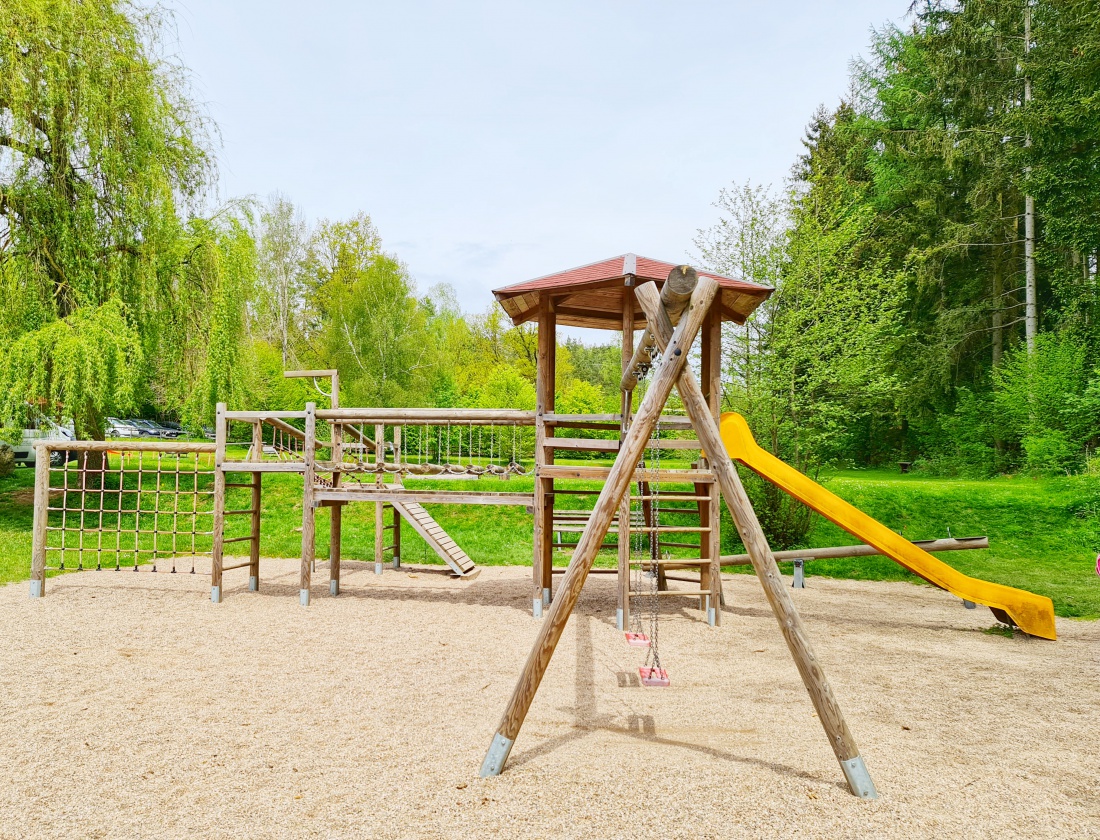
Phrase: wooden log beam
(954, 544)
(675, 295)
(431, 416)
(167, 447)
(607, 505)
(763, 562)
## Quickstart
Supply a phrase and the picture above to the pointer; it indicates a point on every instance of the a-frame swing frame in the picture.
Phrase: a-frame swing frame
(675, 342)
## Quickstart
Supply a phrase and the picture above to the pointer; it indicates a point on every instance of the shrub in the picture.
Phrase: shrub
(7, 460)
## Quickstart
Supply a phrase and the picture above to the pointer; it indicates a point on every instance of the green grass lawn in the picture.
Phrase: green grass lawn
(1044, 533)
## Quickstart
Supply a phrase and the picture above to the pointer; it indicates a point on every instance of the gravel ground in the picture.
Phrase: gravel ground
(133, 707)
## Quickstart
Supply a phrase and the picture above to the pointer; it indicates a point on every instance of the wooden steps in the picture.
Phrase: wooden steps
(440, 541)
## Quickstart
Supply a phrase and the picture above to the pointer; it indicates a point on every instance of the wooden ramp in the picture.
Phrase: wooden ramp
(440, 541)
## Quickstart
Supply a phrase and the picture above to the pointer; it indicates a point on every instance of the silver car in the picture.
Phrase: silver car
(44, 429)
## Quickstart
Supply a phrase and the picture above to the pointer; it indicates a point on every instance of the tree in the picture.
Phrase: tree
(101, 152)
(364, 317)
(280, 287)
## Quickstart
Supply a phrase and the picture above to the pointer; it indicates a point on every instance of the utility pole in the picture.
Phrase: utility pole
(1031, 315)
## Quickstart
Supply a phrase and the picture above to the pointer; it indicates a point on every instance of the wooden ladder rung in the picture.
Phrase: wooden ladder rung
(686, 593)
(670, 497)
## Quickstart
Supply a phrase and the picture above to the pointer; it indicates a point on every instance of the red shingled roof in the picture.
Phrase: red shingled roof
(592, 295)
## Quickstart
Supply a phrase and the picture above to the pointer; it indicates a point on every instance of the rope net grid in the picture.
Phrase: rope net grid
(129, 509)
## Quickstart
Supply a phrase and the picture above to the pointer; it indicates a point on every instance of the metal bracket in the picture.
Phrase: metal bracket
(38, 588)
(619, 619)
(396, 561)
(799, 574)
(497, 756)
(378, 568)
(546, 597)
(303, 597)
(859, 780)
(536, 607)
(334, 587)
(253, 583)
(215, 594)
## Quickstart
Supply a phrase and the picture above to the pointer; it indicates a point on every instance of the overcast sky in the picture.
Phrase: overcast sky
(493, 142)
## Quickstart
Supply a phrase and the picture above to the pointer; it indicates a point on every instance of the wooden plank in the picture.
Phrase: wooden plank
(828, 708)
(264, 467)
(582, 444)
(249, 416)
(560, 471)
(345, 493)
(675, 361)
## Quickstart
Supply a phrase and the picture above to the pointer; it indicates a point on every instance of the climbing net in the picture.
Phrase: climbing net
(116, 509)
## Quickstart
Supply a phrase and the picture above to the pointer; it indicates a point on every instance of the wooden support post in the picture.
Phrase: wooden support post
(634, 444)
(335, 523)
(752, 535)
(217, 551)
(256, 454)
(309, 510)
(711, 509)
(396, 538)
(379, 507)
(41, 520)
(398, 433)
(622, 614)
(542, 574)
(254, 534)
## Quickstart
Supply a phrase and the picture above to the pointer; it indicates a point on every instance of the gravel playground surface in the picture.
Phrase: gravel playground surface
(133, 707)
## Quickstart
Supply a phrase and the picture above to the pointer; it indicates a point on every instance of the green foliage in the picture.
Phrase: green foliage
(109, 297)
(89, 363)
(7, 460)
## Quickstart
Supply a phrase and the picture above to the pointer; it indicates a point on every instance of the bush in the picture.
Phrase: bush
(7, 460)
(1051, 452)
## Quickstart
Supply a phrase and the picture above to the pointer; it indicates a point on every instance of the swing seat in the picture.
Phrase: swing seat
(654, 677)
(637, 640)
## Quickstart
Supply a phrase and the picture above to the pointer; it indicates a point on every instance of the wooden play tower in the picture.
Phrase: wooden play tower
(602, 296)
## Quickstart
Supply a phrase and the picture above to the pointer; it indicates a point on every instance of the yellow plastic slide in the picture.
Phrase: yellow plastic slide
(1034, 614)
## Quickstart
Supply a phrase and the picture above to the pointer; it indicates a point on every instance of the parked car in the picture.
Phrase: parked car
(147, 428)
(208, 433)
(172, 426)
(42, 428)
(169, 430)
(122, 428)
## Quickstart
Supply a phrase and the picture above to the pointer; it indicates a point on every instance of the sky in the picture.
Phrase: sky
(494, 142)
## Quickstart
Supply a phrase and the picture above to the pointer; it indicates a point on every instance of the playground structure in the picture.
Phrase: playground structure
(367, 454)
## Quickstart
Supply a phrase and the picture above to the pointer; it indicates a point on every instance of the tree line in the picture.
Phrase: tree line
(934, 254)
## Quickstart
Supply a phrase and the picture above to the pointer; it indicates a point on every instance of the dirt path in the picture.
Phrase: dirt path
(131, 706)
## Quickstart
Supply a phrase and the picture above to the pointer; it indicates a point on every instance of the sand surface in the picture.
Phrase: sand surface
(133, 707)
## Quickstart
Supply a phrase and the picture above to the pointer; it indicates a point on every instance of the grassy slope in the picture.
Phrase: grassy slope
(1040, 541)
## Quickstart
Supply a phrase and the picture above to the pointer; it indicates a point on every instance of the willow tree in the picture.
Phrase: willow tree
(102, 153)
